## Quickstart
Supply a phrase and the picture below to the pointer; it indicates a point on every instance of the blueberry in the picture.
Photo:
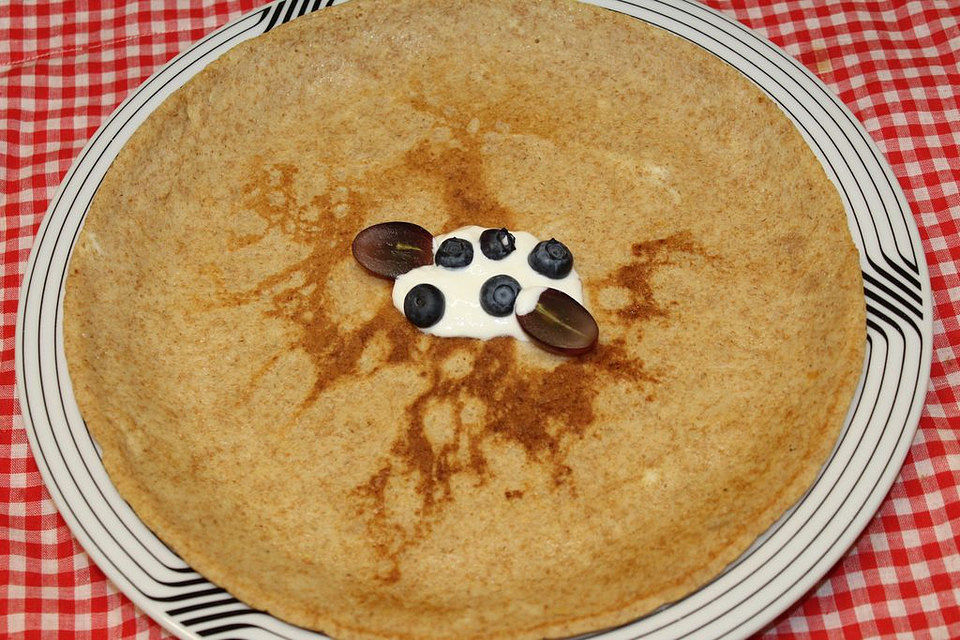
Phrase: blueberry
(497, 244)
(551, 258)
(498, 294)
(424, 305)
(454, 252)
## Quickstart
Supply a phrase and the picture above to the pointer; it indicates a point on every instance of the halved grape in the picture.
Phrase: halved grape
(556, 321)
(390, 249)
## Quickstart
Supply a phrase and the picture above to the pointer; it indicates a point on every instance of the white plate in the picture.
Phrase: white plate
(783, 564)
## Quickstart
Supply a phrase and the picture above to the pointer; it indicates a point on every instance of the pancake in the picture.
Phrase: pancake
(272, 417)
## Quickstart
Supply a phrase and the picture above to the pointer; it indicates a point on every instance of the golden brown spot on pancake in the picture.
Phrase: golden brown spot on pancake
(635, 277)
(266, 366)
(244, 240)
(513, 494)
(342, 306)
(473, 411)
(375, 489)
(299, 293)
(540, 411)
(374, 353)
(458, 364)
(811, 283)
(612, 298)
(438, 422)
(459, 170)
(793, 243)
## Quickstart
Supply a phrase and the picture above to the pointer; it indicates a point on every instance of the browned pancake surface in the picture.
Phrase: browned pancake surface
(270, 415)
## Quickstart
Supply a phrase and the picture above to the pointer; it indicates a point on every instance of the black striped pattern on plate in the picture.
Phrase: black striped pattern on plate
(765, 580)
(287, 10)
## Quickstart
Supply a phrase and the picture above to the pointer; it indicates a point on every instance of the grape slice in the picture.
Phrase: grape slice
(557, 322)
(390, 249)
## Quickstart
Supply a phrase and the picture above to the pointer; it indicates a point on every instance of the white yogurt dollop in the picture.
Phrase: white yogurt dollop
(463, 316)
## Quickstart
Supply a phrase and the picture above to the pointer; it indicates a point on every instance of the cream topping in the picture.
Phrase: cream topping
(463, 315)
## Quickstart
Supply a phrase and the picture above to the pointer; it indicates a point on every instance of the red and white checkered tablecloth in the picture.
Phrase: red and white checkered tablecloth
(65, 66)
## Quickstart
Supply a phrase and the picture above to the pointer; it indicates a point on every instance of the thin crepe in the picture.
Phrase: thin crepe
(270, 415)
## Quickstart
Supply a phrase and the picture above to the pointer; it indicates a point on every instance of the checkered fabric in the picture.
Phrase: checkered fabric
(65, 66)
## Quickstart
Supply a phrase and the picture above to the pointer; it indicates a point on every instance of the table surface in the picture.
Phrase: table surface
(896, 65)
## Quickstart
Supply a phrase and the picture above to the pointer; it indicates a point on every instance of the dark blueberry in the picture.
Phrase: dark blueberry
(497, 244)
(498, 294)
(424, 305)
(551, 258)
(454, 252)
